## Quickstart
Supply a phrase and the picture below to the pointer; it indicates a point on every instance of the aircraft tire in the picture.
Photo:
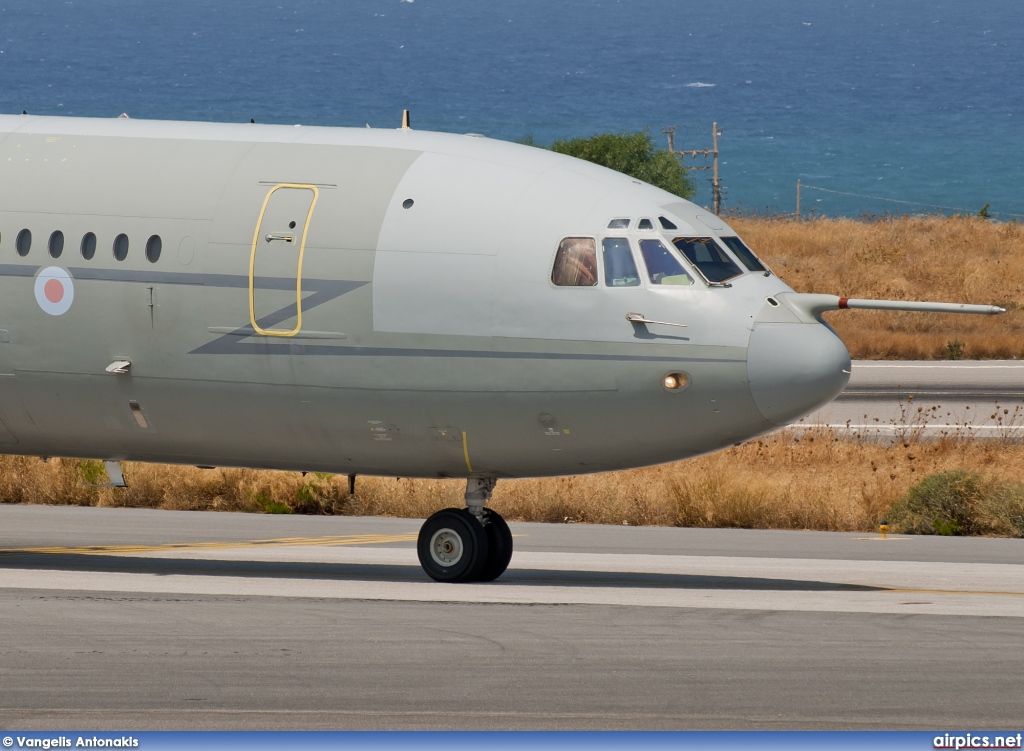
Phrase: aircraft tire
(452, 546)
(499, 546)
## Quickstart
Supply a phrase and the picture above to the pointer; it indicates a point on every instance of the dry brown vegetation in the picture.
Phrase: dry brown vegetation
(958, 259)
(791, 480)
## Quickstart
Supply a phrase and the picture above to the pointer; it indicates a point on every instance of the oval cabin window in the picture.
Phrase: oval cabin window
(88, 246)
(121, 247)
(24, 242)
(56, 244)
(153, 246)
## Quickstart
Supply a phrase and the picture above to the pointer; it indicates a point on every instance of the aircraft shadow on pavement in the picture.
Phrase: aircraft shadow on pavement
(400, 573)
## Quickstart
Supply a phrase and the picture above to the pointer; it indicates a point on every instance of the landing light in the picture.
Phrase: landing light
(675, 381)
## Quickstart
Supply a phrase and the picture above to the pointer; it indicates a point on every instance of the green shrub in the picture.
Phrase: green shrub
(271, 506)
(955, 350)
(959, 502)
(942, 504)
(1002, 510)
(315, 495)
(93, 471)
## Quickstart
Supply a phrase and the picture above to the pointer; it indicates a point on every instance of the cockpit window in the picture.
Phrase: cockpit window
(745, 254)
(662, 266)
(666, 224)
(619, 266)
(575, 263)
(709, 258)
(618, 224)
(645, 224)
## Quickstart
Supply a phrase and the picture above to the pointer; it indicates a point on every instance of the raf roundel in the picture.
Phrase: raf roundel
(54, 290)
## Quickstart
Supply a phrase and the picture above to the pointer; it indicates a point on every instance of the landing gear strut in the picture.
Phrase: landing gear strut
(466, 545)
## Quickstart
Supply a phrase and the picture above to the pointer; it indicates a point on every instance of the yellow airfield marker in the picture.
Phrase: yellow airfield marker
(883, 529)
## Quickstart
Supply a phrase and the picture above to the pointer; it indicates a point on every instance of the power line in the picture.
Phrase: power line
(909, 203)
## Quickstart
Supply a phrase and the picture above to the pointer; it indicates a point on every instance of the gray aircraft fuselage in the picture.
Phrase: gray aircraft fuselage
(371, 301)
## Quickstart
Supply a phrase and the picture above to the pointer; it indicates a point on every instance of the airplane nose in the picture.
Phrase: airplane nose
(794, 368)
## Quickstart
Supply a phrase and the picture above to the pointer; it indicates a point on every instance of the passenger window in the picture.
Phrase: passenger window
(709, 258)
(24, 242)
(121, 247)
(56, 245)
(619, 266)
(745, 254)
(153, 246)
(645, 224)
(575, 263)
(88, 246)
(662, 266)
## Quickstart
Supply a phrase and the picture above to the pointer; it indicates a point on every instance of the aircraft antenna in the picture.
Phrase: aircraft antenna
(406, 124)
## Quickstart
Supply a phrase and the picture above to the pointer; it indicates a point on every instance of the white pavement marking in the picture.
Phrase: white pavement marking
(754, 583)
(934, 365)
(910, 428)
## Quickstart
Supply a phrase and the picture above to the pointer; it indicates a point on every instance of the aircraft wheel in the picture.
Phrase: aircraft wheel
(452, 546)
(499, 542)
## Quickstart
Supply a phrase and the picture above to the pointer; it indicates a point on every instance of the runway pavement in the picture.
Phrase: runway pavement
(928, 398)
(135, 619)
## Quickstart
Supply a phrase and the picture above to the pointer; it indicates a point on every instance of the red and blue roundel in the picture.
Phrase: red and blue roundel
(54, 290)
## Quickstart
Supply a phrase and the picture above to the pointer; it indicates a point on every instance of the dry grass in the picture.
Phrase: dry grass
(792, 480)
(958, 259)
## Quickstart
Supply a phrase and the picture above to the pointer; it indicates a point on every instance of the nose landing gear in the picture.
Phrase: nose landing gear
(452, 546)
(466, 545)
(499, 546)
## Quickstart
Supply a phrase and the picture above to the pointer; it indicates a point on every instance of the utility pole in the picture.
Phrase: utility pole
(716, 183)
(798, 199)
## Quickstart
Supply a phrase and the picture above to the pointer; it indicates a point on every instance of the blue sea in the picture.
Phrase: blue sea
(901, 106)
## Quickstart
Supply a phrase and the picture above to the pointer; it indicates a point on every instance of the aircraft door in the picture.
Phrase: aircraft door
(275, 264)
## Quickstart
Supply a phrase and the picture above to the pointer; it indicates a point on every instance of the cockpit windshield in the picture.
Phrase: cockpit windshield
(575, 263)
(708, 257)
(662, 266)
(745, 254)
(619, 266)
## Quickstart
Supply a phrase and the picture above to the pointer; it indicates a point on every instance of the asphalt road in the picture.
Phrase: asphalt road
(967, 398)
(136, 619)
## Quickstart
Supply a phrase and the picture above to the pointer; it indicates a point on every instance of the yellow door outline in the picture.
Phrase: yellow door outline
(298, 270)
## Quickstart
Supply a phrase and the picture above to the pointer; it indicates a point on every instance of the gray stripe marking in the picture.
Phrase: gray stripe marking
(231, 281)
(16, 269)
(324, 290)
(226, 345)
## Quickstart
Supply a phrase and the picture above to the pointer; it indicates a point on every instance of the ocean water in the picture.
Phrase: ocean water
(896, 106)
